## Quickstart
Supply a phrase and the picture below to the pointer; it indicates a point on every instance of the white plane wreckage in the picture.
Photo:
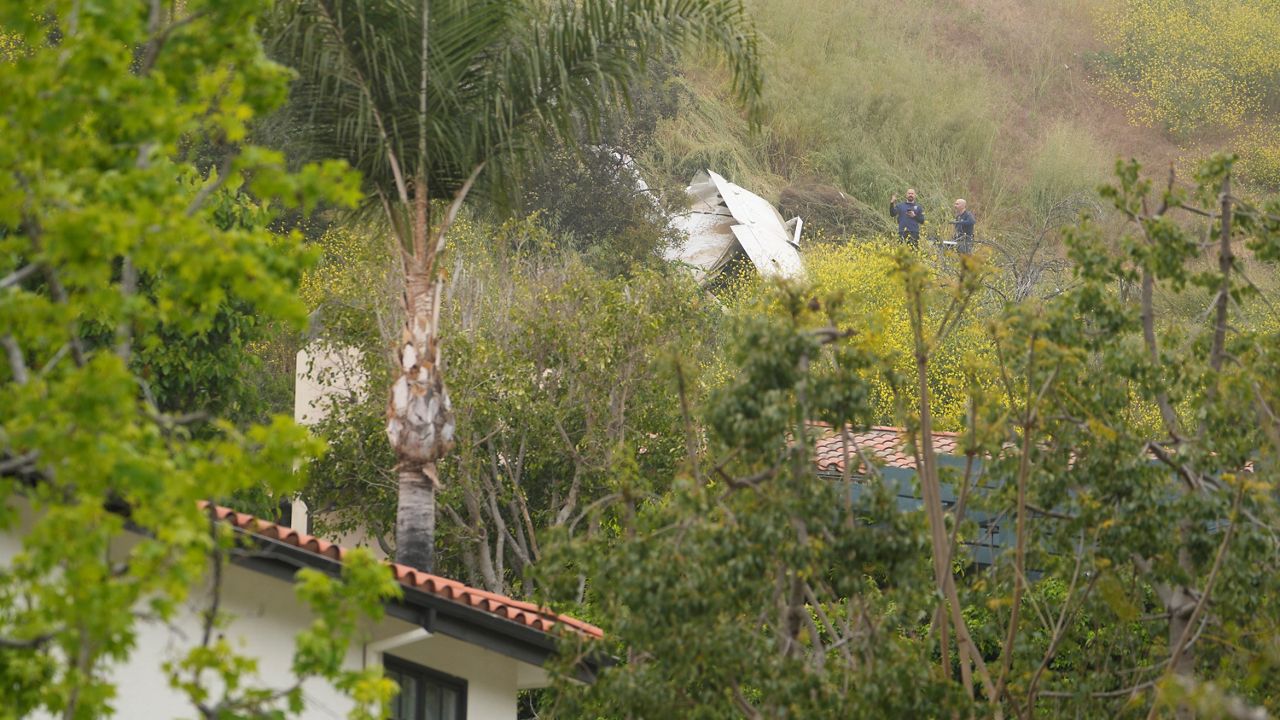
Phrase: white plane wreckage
(726, 219)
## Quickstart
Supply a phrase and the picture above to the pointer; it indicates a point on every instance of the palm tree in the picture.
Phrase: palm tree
(432, 98)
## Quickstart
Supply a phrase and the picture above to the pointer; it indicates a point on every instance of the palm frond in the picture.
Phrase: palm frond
(578, 59)
(503, 76)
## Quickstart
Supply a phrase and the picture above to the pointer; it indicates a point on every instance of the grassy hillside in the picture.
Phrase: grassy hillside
(991, 100)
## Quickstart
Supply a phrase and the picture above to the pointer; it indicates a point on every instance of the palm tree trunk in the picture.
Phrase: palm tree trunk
(420, 420)
(416, 520)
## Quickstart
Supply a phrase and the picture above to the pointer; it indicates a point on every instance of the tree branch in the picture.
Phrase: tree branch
(208, 189)
(17, 363)
(160, 37)
(34, 643)
(1059, 632)
(930, 487)
(1225, 261)
(19, 275)
(19, 463)
(1020, 519)
(451, 214)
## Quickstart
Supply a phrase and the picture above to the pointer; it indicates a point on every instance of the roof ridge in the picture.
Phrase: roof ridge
(540, 618)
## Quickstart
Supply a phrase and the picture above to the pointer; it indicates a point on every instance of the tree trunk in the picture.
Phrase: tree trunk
(420, 421)
(416, 520)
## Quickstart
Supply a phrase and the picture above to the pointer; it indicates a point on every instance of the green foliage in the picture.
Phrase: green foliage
(868, 299)
(737, 590)
(561, 371)
(501, 78)
(1146, 544)
(354, 317)
(567, 373)
(428, 98)
(127, 283)
(593, 205)
(213, 371)
(591, 194)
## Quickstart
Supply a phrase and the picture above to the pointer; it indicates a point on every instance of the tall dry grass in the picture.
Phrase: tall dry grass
(969, 98)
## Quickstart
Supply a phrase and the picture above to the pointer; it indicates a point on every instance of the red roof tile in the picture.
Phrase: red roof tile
(516, 611)
(886, 443)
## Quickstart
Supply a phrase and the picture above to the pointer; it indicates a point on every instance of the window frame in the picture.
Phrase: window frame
(424, 673)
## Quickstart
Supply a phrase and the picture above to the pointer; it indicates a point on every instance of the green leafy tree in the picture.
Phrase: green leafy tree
(426, 99)
(754, 588)
(1123, 465)
(114, 252)
(566, 373)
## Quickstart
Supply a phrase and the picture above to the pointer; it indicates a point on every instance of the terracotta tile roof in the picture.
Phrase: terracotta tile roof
(885, 443)
(516, 611)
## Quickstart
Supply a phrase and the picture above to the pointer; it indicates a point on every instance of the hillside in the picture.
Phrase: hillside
(992, 100)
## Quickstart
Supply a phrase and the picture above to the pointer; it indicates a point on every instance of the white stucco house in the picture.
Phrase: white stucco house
(458, 652)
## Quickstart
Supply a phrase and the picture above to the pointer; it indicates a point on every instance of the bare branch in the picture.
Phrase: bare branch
(1020, 534)
(34, 643)
(690, 433)
(1225, 261)
(57, 358)
(1163, 456)
(168, 420)
(19, 275)
(17, 363)
(1125, 692)
(840, 642)
(19, 463)
(451, 214)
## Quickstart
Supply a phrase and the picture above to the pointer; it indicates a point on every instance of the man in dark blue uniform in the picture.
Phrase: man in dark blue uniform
(910, 217)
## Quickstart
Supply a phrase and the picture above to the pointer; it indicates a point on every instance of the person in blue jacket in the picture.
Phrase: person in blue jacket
(910, 217)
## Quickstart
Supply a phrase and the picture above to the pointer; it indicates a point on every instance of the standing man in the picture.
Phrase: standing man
(910, 217)
(964, 223)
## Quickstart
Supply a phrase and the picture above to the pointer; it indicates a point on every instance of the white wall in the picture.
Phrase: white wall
(320, 373)
(491, 678)
(266, 618)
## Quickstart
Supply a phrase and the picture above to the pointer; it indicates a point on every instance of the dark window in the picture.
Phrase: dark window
(425, 694)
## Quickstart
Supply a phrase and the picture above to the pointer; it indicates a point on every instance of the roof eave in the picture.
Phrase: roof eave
(430, 612)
